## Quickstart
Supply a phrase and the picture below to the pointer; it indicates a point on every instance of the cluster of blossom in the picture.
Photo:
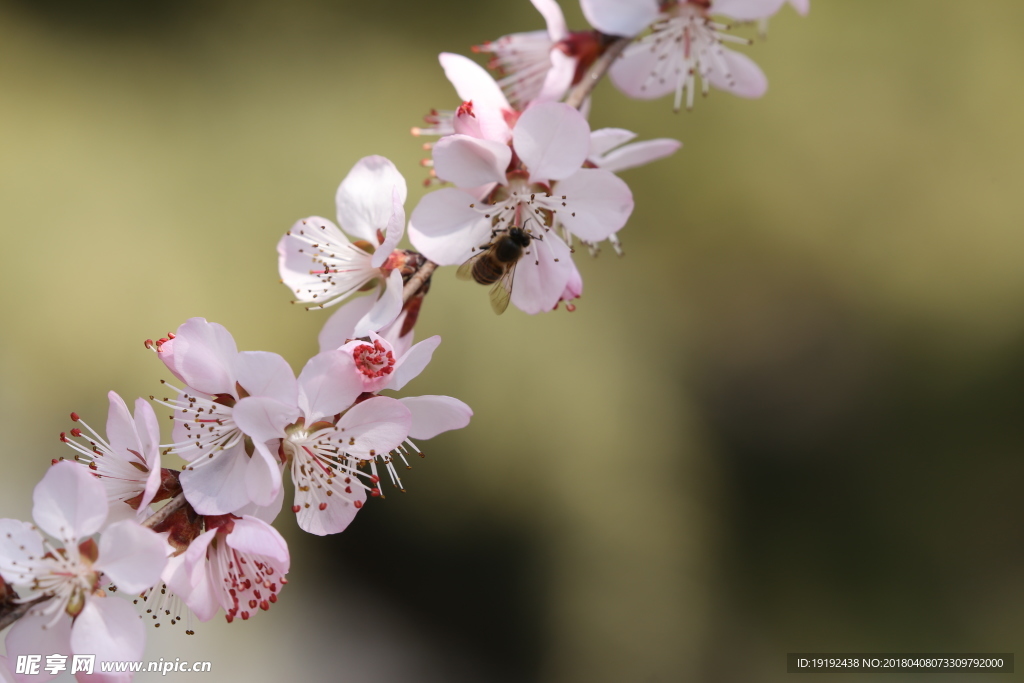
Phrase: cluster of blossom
(525, 180)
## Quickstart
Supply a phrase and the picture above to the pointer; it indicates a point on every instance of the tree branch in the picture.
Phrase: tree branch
(19, 610)
(417, 280)
(597, 71)
(173, 505)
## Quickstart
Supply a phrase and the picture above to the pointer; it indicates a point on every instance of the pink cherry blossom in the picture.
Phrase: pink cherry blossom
(431, 415)
(546, 192)
(129, 464)
(319, 262)
(300, 424)
(70, 504)
(684, 43)
(238, 564)
(221, 476)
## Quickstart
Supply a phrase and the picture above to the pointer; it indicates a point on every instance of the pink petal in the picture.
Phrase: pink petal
(149, 434)
(132, 556)
(333, 519)
(111, 629)
(552, 14)
(21, 546)
(620, 17)
(632, 74)
(385, 309)
(468, 161)
(34, 635)
(69, 503)
(598, 204)
(746, 10)
(121, 432)
(445, 228)
(539, 279)
(412, 363)
(365, 197)
(393, 231)
(267, 513)
(573, 288)
(187, 577)
(378, 424)
(638, 154)
(203, 354)
(295, 256)
(604, 140)
(262, 373)
(801, 6)
(472, 82)
(263, 476)
(432, 415)
(254, 536)
(6, 675)
(263, 418)
(328, 385)
(744, 79)
(552, 139)
(558, 78)
(216, 486)
(340, 327)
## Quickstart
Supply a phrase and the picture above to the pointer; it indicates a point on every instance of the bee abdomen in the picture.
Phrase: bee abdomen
(487, 271)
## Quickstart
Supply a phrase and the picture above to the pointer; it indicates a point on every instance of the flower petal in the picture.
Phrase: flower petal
(552, 139)
(69, 503)
(385, 309)
(202, 354)
(744, 77)
(365, 197)
(375, 426)
(468, 161)
(328, 384)
(263, 476)
(254, 536)
(334, 518)
(187, 577)
(262, 373)
(604, 140)
(472, 82)
(746, 10)
(412, 363)
(638, 73)
(541, 275)
(111, 629)
(393, 231)
(132, 556)
(149, 435)
(216, 486)
(21, 548)
(432, 415)
(552, 13)
(620, 17)
(558, 78)
(340, 327)
(801, 6)
(597, 204)
(445, 227)
(637, 154)
(33, 634)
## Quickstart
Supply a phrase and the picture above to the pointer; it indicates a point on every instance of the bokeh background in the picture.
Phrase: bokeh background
(789, 419)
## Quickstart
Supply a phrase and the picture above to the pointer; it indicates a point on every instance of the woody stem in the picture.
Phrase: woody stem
(596, 72)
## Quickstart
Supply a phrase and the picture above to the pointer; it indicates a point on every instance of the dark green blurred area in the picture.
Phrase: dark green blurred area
(787, 420)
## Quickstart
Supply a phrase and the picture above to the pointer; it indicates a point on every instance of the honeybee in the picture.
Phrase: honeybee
(496, 264)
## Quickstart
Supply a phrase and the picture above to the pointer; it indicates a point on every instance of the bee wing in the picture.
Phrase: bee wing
(501, 292)
(465, 271)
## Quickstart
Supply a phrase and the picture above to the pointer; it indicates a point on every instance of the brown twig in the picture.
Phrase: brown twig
(417, 280)
(596, 72)
(173, 505)
(19, 610)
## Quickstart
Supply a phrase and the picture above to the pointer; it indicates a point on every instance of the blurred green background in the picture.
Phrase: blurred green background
(789, 419)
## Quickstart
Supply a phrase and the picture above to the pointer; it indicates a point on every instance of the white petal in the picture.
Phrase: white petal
(263, 476)
(392, 232)
(69, 503)
(6, 675)
(445, 228)
(341, 326)
(552, 14)
(638, 154)
(35, 635)
(328, 384)
(267, 513)
(620, 17)
(379, 424)
(202, 356)
(216, 486)
(264, 418)
(639, 73)
(746, 10)
(598, 204)
(468, 161)
(432, 415)
(333, 519)
(558, 78)
(539, 279)
(109, 628)
(412, 363)
(552, 139)
(132, 556)
(472, 82)
(254, 536)
(386, 308)
(604, 140)
(21, 547)
(801, 6)
(365, 197)
(262, 373)
(744, 78)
